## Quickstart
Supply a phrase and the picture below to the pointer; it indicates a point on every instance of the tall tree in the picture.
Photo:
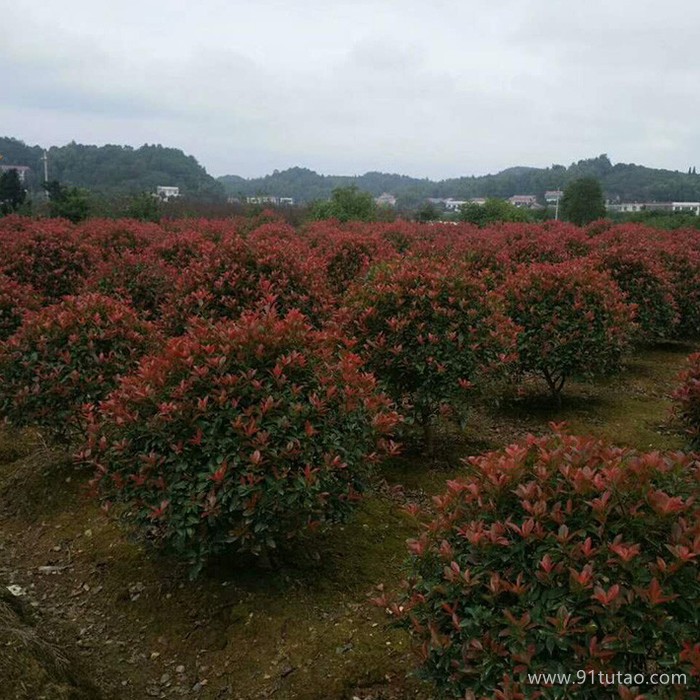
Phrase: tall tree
(12, 193)
(72, 203)
(583, 201)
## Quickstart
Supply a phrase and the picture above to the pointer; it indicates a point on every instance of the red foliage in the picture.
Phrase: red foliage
(557, 553)
(141, 279)
(573, 320)
(240, 434)
(687, 399)
(68, 355)
(429, 329)
(15, 301)
(236, 275)
(48, 255)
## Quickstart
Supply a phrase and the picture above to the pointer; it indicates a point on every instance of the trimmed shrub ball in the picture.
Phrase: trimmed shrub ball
(240, 435)
(66, 356)
(559, 554)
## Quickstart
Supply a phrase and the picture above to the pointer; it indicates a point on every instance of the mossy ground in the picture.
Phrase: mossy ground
(303, 629)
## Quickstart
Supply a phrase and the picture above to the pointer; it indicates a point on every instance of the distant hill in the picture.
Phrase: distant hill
(624, 181)
(113, 169)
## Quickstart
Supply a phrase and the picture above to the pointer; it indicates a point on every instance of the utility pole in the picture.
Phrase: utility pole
(45, 158)
(556, 206)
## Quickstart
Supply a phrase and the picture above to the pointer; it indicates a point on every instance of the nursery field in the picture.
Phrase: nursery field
(242, 460)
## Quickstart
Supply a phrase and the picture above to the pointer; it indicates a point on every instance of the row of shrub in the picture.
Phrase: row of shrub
(215, 269)
(434, 312)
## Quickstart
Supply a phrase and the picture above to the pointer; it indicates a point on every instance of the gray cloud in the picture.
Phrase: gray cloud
(436, 89)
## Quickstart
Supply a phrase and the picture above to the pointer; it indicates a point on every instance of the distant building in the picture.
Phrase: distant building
(386, 200)
(668, 207)
(659, 206)
(688, 207)
(166, 192)
(627, 207)
(271, 199)
(478, 200)
(553, 196)
(454, 204)
(22, 170)
(523, 201)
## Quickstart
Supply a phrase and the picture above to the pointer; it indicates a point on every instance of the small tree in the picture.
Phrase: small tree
(429, 330)
(72, 203)
(66, 356)
(145, 207)
(427, 213)
(491, 212)
(240, 436)
(573, 320)
(347, 204)
(583, 201)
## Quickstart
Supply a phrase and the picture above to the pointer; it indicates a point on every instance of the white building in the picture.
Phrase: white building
(454, 204)
(166, 192)
(687, 207)
(627, 207)
(668, 207)
(22, 170)
(386, 200)
(271, 199)
(553, 196)
(525, 201)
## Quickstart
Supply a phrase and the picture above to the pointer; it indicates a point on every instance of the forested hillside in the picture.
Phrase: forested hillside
(625, 181)
(113, 169)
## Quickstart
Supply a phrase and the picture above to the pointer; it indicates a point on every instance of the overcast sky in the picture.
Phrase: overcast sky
(431, 89)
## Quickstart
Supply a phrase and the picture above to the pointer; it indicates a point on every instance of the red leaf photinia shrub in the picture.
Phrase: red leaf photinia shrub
(429, 330)
(640, 274)
(112, 237)
(47, 255)
(683, 266)
(573, 320)
(345, 252)
(556, 554)
(15, 300)
(238, 275)
(239, 435)
(141, 279)
(68, 355)
(687, 399)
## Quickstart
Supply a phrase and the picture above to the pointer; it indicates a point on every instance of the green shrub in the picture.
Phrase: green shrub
(555, 555)
(68, 355)
(574, 321)
(239, 435)
(429, 330)
(687, 399)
